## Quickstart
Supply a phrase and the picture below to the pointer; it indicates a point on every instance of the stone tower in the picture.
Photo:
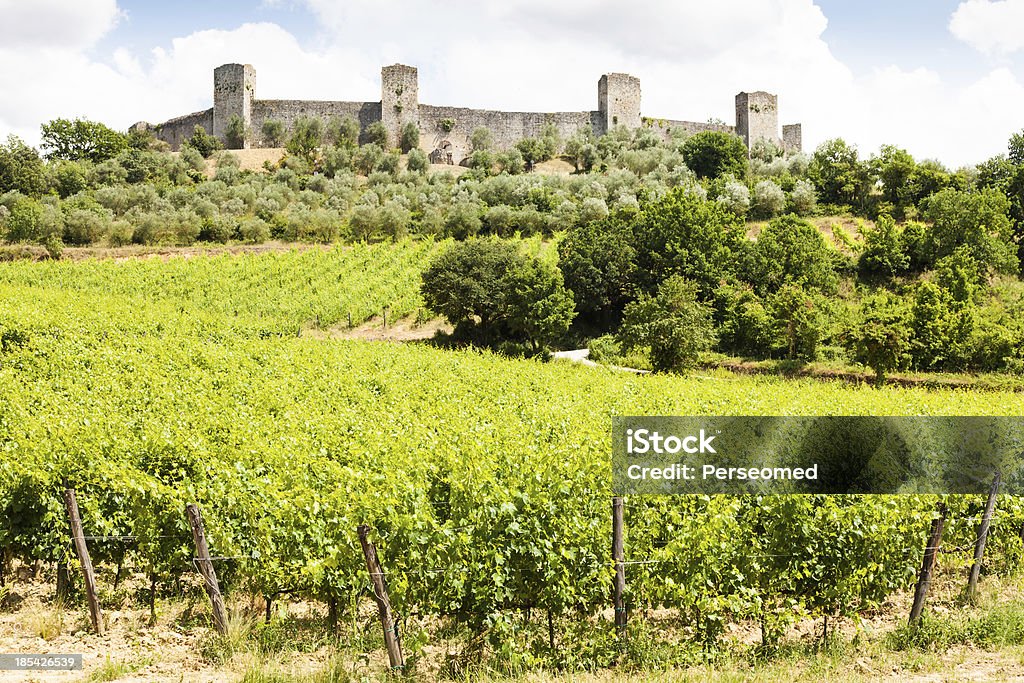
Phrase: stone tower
(399, 99)
(792, 138)
(757, 117)
(233, 87)
(618, 102)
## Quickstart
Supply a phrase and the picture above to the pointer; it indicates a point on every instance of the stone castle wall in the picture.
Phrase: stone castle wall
(445, 131)
(288, 111)
(177, 130)
(667, 126)
(506, 127)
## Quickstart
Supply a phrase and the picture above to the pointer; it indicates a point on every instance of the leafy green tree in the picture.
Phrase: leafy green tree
(598, 262)
(882, 337)
(838, 175)
(942, 329)
(976, 220)
(342, 132)
(533, 151)
(410, 137)
(21, 168)
(481, 139)
(735, 197)
(711, 154)
(490, 292)
(366, 158)
(235, 132)
(418, 161)
(306, 138)
(894, 167)
(273, 132)
(673, 325)
(790, 250)
(538, 306)
(511, 162)
(581, 151)
(82, 140)
(767, 200)
(960, 275)
(803, 198)
(377, 134)
(799, 320)
(745, 325)
(681, 234)
(884, 250)
(202, 142)
(68, 178)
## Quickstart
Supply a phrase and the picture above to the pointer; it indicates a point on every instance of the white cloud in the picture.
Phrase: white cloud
(67, 24)
(993, 27)
(530, 55)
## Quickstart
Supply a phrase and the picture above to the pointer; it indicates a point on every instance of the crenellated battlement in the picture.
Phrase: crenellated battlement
(445, 131)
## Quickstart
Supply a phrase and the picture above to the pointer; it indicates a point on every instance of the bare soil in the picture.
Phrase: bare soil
(403, 330)
(177, 647)
(135, 251)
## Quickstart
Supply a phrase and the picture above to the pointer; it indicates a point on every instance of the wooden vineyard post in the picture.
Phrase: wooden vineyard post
(931, 551)
(82, 550)
(979, 546)
(205, 567)
(380, 595)
(619, 557)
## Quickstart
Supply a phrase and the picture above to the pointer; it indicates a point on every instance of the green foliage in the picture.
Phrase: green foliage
(735, 197)
(21, 168)
(490, 293)
(533, 150)
(799, 320)
(673, 325)
(409, 138)
(235, 132)
(202, 142)
(790, 250)
(975, 220)
(418, 161)
(481, 140)
(882, 337)
(885, 252)
(81, 140)
(838, 175)
(681, 234)
(494, 467)
(538, 306)
(342, 132)
(768, 200)
(745, 325)
(465, 283)
(598, 261)
(894, 168)
(273, 132)
(306, 138)
(803, 198)
(941, 328)
(68, 178)
(377, 134)
(712, 154)
(960, 275)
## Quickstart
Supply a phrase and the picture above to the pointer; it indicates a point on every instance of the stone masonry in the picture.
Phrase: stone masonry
(233, 88)
(445, 131)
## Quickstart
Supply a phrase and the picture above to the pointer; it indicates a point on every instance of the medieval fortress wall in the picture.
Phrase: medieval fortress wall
(445, 131)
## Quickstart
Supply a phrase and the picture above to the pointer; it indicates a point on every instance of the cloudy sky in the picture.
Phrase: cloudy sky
(942, 78)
